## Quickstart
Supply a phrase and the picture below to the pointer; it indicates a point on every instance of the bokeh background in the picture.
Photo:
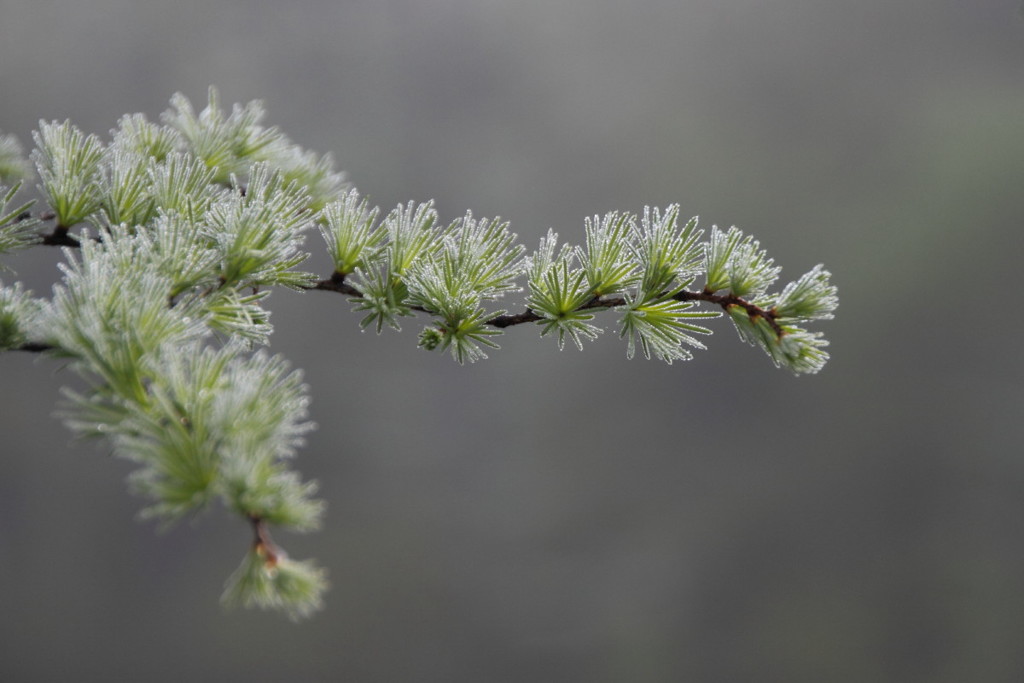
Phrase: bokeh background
(567, 516)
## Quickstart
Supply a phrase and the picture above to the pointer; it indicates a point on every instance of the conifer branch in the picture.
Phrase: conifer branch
(189, 224)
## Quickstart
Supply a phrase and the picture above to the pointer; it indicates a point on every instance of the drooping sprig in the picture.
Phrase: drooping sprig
(203, 422)
(170, 258)
(269, 579)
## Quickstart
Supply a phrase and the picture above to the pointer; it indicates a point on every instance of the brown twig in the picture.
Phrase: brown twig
(61, 238)
(33, 347)
(262, 544)
(337, 283)
(726, 300)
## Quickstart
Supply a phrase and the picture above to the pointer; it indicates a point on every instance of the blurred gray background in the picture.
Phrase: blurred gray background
(567, 516)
